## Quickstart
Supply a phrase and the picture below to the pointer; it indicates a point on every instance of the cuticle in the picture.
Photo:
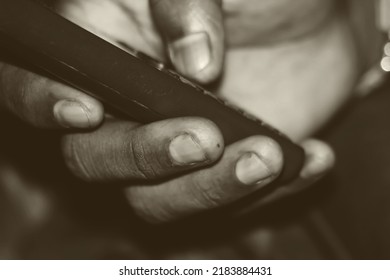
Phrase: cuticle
(196, 141)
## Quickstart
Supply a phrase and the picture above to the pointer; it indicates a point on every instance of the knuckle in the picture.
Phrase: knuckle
(139, 201)
(74, 160)
(142, 166)
(10, 87)
(209, 195)
(19, 89)
(21, 100)
(18, 93)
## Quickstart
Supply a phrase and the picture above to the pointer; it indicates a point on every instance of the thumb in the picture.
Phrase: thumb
(193, 32)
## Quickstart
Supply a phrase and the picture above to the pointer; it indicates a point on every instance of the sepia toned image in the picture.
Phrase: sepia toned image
(194, 129)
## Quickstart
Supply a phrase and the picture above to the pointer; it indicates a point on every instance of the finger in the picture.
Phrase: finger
(46, 103)
(124, 151)
(245, 167)
(319, 160)
(193, 30)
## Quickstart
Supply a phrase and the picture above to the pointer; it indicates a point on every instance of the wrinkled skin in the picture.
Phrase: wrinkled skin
(293, 65)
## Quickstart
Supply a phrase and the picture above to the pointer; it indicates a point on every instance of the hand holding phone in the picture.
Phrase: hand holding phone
(138, 87)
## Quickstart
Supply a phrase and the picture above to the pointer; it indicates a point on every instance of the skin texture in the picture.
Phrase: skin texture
(272, 63)
(293, 71)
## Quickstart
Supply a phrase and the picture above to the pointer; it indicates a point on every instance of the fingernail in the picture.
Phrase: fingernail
(191, 54)
(71, 114)
(251, 170)
(184, 150)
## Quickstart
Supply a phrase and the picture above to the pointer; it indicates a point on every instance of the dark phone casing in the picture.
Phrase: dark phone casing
(142, 90)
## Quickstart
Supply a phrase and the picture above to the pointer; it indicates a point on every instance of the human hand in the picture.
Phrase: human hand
(275, 54)
(302, 58)
(152, 158)
(149, 161)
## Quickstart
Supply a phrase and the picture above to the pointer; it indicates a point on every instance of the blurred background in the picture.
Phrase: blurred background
(45, 213)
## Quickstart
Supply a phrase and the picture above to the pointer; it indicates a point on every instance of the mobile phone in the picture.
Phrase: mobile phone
(136, 85)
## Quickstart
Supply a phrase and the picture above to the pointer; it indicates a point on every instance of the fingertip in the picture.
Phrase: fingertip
(261, 161)
(77, 113)
(95, 112)
(210, 73)
(269, 151)
(208, 136)
(194, 33)
(73, 108)
(195, 57)
(195, 141)
(320, 158)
